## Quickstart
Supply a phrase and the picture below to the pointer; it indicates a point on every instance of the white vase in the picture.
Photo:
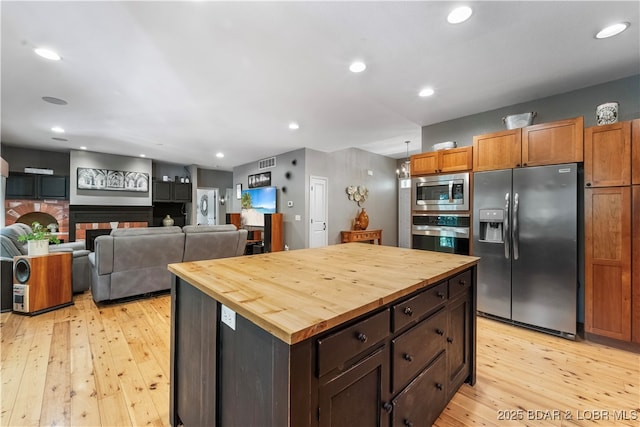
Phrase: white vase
(38, 247)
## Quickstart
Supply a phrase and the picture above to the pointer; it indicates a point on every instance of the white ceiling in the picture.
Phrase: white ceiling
(180, 81)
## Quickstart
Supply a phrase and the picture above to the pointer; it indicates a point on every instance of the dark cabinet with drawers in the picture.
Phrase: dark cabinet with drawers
(402, 365)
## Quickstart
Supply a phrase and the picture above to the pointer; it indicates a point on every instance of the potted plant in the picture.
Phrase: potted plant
(38, 240)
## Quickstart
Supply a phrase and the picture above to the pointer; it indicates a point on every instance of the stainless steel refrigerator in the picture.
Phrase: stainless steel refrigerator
(525, 227)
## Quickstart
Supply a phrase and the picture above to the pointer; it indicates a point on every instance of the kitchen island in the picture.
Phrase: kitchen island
(350, 334)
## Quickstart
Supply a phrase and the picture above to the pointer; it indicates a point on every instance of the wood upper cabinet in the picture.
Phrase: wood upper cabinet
(553, 143)
(608, 262)
(498, 150)
(635, 264)
(607, 160)
(537, 145)
(635, 152)
(443, 161)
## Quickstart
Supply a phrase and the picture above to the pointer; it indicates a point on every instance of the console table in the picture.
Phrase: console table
(361, 236)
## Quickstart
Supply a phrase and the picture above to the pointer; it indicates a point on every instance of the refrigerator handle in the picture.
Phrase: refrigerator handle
(451, 191)
(516, 231)
(507, 236)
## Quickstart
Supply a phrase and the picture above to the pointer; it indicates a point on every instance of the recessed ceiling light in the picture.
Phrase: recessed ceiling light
(426, 92)
(143, 155)
(294, 126)
(59, 139)
(357, 67)
(57, 129)
(83, 148)
(459, 15)
(612, 30)
(47, 54)
(219, 155)
(52, 100)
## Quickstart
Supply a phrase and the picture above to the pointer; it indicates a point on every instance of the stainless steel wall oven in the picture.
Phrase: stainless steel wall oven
(441, 232)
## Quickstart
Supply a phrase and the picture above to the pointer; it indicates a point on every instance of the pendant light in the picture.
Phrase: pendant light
(405, 168)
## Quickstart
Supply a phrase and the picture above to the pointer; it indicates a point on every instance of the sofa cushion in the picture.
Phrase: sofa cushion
(145, 231)
(208, 228)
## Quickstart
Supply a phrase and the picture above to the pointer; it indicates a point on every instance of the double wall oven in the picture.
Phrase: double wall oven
(441, 213)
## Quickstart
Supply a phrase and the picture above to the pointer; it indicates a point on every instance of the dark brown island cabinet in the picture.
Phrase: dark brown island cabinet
(346, 335)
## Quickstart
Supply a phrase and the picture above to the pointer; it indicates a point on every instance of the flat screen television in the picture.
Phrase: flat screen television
(255, 203)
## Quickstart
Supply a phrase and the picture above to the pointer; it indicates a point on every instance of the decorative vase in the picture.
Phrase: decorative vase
(38, 247)
(362, 220)
(167, 221)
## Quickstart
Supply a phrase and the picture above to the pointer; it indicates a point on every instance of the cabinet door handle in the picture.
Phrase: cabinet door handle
(588, 184)
(362, 337)
(408, 423)
(441, 295)
(439, 332)
(517, 165)
(408, 311)
(407, 357)
(462, 282)
(449, 340)
(439, 386)
(387, 407)
(524, 164)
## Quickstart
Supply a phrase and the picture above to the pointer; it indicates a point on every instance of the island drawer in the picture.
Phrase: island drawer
(459, 284)
(337, 348)
(414, 349)
(414, 308)
(410, 407)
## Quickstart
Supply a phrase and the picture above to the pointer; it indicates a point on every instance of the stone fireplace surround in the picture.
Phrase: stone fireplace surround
(76, 219)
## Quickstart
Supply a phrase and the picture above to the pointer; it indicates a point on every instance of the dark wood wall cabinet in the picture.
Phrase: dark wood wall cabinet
(398, 365)
(164, 191)
(612, 232)
(31, 186)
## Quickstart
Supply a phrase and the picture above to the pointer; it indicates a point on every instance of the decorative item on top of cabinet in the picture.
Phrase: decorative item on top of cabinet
(608, 262)
(553, 143)
(635, 152)
(607, 161)
(442, 161)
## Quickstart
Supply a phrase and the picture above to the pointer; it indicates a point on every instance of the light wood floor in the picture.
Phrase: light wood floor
(109, 365)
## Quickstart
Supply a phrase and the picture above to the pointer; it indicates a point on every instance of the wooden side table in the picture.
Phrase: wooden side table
(42, 283)
(361, 236)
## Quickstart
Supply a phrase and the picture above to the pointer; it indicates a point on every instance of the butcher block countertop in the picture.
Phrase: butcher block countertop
(297, 294)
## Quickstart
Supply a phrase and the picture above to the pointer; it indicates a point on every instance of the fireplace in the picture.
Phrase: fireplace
(74, 220)
(44, 211)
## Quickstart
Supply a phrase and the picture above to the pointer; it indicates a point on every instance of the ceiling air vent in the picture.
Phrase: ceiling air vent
(267, 163)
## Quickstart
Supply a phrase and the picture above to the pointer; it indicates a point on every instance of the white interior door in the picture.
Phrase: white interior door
(318, 212)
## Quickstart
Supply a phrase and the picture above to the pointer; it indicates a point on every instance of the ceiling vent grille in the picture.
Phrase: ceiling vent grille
(267, 163)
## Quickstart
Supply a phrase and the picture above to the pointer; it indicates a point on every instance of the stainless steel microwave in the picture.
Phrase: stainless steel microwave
(440, 192)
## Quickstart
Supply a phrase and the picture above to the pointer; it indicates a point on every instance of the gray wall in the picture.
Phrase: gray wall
(289, 189)
(87, 159)
(350, 167)
(341, 168)
(580, 102)
(20, 158)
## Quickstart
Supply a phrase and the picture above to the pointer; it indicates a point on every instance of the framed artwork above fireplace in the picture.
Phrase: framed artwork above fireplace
(107, 179)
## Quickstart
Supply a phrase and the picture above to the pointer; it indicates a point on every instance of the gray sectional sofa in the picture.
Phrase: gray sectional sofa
(133, 261)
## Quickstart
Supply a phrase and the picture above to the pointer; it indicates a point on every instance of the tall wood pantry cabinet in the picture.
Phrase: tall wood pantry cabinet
(612, 230)
(536, 145)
